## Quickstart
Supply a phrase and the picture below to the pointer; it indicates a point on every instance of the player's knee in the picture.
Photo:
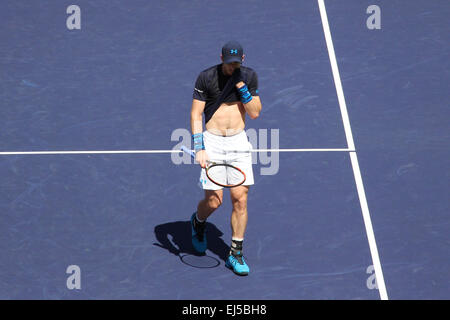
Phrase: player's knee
(240, 205)
(214, 202)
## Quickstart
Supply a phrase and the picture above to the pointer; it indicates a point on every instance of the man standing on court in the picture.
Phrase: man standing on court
(224, 93)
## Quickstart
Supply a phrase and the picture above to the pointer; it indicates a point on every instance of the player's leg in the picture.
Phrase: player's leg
(239, 218)
(212, 201)
(213, 196)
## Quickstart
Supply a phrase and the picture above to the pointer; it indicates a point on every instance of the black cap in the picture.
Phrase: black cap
(232, 52)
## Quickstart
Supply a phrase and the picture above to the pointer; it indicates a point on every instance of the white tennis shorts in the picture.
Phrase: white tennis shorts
(234, 150)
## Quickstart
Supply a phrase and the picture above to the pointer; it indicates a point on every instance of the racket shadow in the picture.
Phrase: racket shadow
(176, 238)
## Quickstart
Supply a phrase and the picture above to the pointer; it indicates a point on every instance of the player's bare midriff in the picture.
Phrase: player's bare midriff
(228, 120)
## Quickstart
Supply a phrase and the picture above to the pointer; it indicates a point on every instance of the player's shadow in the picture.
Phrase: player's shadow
(176, 238)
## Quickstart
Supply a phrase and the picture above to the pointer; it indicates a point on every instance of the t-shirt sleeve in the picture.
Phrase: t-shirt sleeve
(200, 88)
(253, 85)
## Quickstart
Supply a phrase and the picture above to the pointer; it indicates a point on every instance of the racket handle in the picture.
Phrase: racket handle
(190, 152)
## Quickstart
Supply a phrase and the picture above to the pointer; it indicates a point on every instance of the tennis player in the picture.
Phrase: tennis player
(224, 93)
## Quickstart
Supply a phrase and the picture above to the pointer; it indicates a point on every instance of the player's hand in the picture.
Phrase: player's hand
(238, 77)
(201, 157)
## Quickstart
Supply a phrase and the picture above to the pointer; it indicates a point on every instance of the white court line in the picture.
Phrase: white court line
(10, 153)
(353, 156)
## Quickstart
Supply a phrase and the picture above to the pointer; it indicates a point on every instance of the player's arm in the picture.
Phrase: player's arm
(249, 96)
(197, 131)
(197, 116)
(253, 107)
(199, 98)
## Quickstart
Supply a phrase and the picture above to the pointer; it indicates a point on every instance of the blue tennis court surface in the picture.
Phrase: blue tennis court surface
(124, 81)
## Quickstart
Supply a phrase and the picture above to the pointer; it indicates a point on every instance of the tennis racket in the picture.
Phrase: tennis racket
(221, 174)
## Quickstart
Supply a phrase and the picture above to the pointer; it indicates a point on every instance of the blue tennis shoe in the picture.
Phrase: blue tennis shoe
(198, 235)
(237, 264)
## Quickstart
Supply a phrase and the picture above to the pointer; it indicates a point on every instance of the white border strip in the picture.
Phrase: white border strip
(11, 153)
(353, 156)
(369, 229)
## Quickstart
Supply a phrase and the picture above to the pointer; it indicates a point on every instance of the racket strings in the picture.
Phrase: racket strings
(225, 175)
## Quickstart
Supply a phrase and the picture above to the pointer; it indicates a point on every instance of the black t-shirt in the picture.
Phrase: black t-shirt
(211, 82)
